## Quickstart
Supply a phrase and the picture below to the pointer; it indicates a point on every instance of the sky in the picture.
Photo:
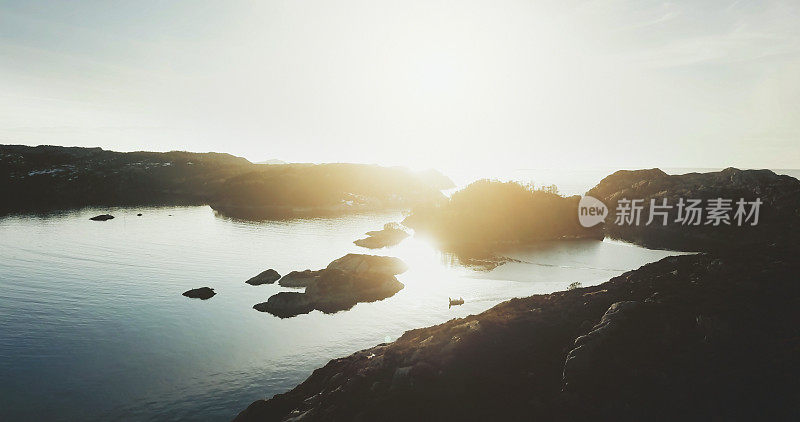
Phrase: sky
(444, 84)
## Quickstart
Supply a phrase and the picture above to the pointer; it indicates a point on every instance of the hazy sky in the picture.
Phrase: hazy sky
(421, 83)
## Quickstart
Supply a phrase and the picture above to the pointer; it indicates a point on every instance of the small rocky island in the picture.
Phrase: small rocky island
(390, 235)
(345, 282)
(200, 293)
(267, 277)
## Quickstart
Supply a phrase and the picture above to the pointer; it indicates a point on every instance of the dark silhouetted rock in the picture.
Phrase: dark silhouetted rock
(139, 214)
(200, 293)
(102, 217)
(267, 277)
(391, 235)
(299, 278)
(778, 214)
(53, 177)
(359, 263)
(346, 281)
(286, 304)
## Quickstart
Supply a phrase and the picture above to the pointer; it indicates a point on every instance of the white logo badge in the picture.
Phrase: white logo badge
(591, 211)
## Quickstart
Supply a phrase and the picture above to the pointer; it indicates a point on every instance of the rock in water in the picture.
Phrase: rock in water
(359, 263)
(267, 277)
(391, 235)
(286, 304)
(200, 293)
(102, 217)
(299, 278)
(349, 280)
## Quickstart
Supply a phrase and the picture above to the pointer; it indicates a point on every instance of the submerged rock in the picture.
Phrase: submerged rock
(346, 281)
(267, 277)
(200, 293)
(391, 235)
(102, 217)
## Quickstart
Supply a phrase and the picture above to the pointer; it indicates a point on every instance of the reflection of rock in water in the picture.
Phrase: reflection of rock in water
(345, 282)
(478, 258)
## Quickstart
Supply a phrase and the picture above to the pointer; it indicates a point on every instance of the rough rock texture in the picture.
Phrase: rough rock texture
(267, 277)
(779, 214)
(698, 337)
(200, 293)
(102, 217)
(286, 304)
(299, 278)
(391, 235)
(359, 263)
(346, 281)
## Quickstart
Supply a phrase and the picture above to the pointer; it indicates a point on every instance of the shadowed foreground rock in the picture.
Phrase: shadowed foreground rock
(345, 282)
(200, 293)
(696, 337)
(267, 277)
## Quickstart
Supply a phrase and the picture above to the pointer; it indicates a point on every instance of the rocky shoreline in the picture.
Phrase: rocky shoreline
(710, 335)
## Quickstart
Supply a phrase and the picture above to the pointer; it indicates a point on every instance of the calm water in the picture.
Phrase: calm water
(93, 325)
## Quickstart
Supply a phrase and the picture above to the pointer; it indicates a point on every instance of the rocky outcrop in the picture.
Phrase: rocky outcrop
(391, 235)
(286, 304)
(364, 264)
(102, 217)
(345, 282)
(705, 337)
(200, 293)
(779, 213)
(299, 278)
(267, 277)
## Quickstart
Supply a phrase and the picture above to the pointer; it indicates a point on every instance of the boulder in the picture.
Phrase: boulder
(391, 235)
(267, 277)
(359, 263)
(286, 304)
(345, 282)
(102, 217)
(299, 278)
(200, 293)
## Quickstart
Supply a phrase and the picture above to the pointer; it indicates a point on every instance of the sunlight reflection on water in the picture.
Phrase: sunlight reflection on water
(92, 317)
